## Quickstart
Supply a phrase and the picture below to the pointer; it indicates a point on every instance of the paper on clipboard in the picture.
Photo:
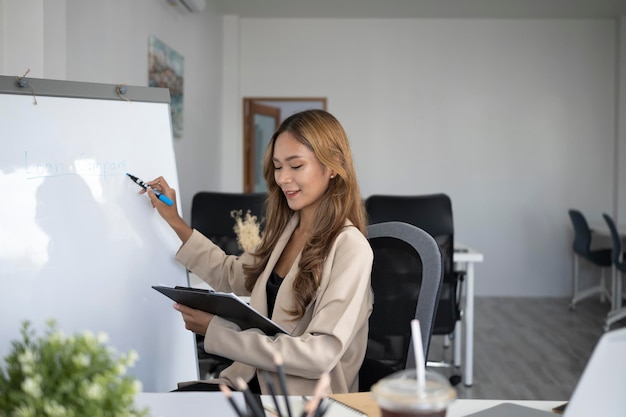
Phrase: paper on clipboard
(226, 305)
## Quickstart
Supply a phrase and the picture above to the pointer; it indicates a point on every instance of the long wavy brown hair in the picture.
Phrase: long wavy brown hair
(322, 133)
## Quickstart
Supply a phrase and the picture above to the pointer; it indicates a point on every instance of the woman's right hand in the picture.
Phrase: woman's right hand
(168, 213)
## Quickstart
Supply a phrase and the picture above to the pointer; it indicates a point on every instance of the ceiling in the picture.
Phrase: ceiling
(346, 9)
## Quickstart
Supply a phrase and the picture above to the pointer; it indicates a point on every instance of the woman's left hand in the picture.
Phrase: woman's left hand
(195, 320)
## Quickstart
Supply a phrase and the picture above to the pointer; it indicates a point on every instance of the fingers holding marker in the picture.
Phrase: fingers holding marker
(152, 196)
(160, 194)
(159, 189)
(159, 183)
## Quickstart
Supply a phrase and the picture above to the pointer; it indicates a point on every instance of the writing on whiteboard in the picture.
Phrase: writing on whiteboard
(82, 166)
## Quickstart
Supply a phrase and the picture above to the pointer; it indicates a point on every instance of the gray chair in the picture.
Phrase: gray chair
(617, 257)
(581, 248)
(407, 273)
(433, 214)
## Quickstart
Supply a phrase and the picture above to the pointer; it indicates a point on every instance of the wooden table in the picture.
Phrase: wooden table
(362, 401)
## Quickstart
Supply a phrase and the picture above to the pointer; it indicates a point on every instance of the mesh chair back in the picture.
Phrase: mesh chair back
(406, 279)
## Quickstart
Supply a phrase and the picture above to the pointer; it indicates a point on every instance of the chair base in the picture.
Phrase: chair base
(590, 292)
(455, 378)
(455, 337)
(614, 316)
(618, 309)
(600, 289)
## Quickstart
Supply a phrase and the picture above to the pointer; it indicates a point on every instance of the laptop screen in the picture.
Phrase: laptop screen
(601, 390)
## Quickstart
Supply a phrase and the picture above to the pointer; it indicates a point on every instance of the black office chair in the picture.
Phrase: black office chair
(406, 280)
(617, 257)
(432, 213)
(582, 249)
(211, 215)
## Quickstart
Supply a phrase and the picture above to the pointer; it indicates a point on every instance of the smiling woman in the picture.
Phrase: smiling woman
(310, 273)
(261, 117)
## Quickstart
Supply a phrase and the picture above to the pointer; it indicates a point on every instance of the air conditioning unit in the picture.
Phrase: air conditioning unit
(190, 6)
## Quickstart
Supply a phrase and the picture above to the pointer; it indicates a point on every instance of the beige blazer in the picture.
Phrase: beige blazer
(332, 335)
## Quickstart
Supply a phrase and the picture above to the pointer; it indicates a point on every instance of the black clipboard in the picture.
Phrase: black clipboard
(226, 305)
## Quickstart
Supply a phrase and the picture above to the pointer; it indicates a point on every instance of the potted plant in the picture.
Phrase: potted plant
(74, 376)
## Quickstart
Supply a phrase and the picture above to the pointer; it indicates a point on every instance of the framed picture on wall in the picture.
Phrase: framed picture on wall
(165, 67)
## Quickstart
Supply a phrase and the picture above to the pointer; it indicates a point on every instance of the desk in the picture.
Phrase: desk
(464, 258)
(202, 404)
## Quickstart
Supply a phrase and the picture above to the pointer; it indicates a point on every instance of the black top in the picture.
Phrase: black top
(273, 284)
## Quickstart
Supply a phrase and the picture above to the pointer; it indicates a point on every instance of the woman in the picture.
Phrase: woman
(310, 272)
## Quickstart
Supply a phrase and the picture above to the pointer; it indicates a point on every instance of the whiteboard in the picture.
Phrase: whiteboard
(79, 244)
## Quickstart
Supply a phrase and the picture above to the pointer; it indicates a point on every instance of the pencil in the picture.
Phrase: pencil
(270, 410)
(256, 409)
(229, 394)
(270, 387)
(305, 408)
(321, 408)
(278, 361)
(320, 392)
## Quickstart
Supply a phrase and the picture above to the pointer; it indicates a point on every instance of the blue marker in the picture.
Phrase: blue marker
(142, 184)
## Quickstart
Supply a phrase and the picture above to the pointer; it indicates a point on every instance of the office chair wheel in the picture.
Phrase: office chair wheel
(454, 380)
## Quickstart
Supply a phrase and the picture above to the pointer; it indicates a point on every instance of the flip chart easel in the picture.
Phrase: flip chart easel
(79, 245)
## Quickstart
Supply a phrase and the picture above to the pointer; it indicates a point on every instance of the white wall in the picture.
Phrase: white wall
(22, 27)
(514, 119)
(107, 42)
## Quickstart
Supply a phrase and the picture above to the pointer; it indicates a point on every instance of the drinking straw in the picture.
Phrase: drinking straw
(418, 349)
